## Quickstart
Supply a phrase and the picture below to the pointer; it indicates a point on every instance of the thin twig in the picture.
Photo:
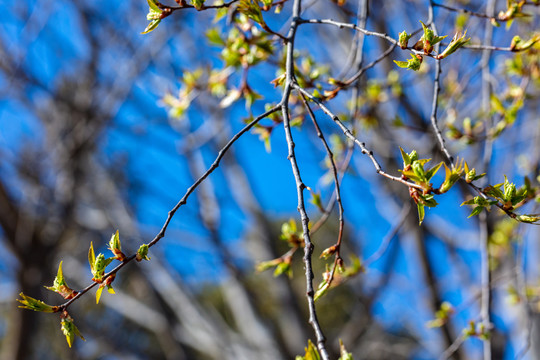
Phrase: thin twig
(453, 347)
(337, 257)
(485, 309)
(300, 186)
(463, 11)
(488, 47)
(435, 102)
(343, 25)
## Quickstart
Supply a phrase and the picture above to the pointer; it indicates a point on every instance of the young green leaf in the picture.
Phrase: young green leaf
(155, 14)
(116, 247)
(37, 305)
(97, 264)
(153, 6)
(91, 257)
(457, 41)
(265, 265)
(528, 218)
(431, 172)
(520, 45)
(69, 329)
(421, 213)
(60, 286)
(284, 268)
(328, 252)
(142, 253)
(311, 353)
(344, 354)
(412, 64)
(404, 39)
(429, 39)
(252, 10)
(451, 177)
(198, 4)
(323, 288)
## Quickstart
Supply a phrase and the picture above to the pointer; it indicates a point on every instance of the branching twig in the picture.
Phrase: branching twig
(360, 144)
(343, 25)
(337, 257)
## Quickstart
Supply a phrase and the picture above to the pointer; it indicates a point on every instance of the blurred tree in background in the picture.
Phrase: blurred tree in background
(102, 128)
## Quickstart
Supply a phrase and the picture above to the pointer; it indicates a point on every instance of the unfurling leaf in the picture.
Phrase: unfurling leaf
(284, 268)
(198, 4)
(457, 41)
(252, 10)
(316, 200)
(152, 26)
(429, 39)
(311, 353)
(441, 316)
(408, 158)
(514, 10)
(470, 175)
(265, 265)
(69, 329)
(480, 203)
(106, 283)
(153, 6)
(413, 63)
(291, 234)
(344, 354)
(37, 305)
(91, 257)
(328, 252)
(142, 253)
(116, 247)
(98, 294)
(451, 176)
(421, 213)
(155, 14)
(267, 4)
(528, 218)
(404, 39)
(60, 286)
(520, 45)
(97, 264)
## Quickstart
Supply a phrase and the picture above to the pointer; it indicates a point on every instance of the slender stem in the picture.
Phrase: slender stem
(337, 258)
(464, 11)
(343, 25)
(300, 186)
(485, 310)
(435, 102)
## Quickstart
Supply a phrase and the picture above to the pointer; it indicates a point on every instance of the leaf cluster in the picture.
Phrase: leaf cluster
(98, 265)
(426, 43)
